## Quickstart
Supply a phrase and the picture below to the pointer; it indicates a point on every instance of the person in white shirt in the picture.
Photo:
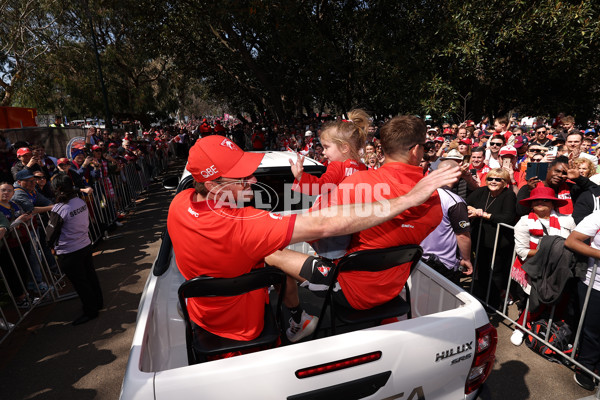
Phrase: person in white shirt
(492, 155)
(589, 344)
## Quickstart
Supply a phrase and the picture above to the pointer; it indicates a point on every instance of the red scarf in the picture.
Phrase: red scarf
(536, 230)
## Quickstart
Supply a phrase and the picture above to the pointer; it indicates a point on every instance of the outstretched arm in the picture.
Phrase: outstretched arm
(350, 218)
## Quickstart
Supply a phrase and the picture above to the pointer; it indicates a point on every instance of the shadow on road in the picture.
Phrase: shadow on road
(48, 358)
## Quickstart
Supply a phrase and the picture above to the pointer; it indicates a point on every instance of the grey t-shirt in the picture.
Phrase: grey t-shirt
(74, 234)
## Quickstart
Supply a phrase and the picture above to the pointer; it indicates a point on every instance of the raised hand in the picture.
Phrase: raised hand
(297, 167)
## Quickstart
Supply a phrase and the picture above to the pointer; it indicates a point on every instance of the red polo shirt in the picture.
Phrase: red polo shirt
(225, 243)
(368, 289)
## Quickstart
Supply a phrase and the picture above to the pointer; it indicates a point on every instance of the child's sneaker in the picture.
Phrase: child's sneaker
(304, 328)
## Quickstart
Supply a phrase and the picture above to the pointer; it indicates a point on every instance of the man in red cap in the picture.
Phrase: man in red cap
(26, 160)
(211, 236)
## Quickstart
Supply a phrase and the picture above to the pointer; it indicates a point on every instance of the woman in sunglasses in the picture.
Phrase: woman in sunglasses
(488, 206)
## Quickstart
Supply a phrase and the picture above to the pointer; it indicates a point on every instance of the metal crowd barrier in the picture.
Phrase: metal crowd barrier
(31, 267)
(33, 270)
(569, 358)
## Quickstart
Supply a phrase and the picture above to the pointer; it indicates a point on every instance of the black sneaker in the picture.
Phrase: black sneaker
(584, 380)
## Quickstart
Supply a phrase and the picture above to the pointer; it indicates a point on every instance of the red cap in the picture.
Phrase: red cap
(215, 156)
(96, 147)
(470, 122)
(508, 151)
(447, 131)
(466, 141)
(62, 161)
(145, 133)
(438, 139)
(113, 145)
(22, 151)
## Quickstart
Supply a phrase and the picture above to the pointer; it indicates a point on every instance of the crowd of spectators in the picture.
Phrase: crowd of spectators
(27, 175)
(538, 174)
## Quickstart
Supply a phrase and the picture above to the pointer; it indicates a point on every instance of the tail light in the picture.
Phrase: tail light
(483, 362)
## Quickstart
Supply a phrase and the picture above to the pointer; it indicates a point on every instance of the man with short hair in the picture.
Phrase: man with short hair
(492, 154)
(203, 216)
(478, 168)
(541, 137)
(573, 144)
(461, 133)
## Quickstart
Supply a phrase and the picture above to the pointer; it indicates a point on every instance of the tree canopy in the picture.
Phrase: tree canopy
(284, 58)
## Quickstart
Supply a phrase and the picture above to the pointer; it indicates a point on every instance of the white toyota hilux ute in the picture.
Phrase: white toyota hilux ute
(445, 351)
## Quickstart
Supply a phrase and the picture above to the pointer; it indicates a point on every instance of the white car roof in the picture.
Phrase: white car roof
(275, 159)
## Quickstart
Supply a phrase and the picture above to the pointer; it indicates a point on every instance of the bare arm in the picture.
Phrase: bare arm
(350, 218)
(466, 175)
(575, 242)
(39, 210)
(464, 247)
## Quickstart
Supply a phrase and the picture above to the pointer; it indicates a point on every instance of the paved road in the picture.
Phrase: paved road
(47, 358)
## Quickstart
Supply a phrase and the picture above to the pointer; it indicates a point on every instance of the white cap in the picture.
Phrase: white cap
(453, 155)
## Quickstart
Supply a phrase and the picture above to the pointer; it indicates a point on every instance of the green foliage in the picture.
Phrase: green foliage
(286, 57)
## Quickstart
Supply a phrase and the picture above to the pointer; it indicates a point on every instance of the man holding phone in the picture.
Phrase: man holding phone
(26, 161)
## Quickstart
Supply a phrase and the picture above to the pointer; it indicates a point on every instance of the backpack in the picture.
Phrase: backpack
(560, 336)
(54, 227)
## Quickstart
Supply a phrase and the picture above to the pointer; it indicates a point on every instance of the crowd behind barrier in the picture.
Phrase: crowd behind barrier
(564, 354)
(31, 275)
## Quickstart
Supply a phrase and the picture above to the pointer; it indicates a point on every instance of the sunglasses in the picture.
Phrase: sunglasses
(243, 181)
(537, 150)
(492, 179)
(542, 132)
(496, 144)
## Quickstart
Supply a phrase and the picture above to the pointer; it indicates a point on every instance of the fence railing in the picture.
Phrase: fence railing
(569, 357)
(31, 275)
